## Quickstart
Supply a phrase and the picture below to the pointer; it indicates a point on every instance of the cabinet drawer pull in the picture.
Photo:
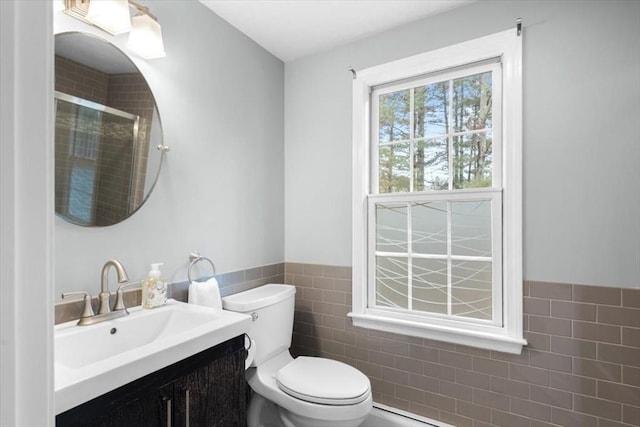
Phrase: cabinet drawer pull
(186, 394)
(168, 412)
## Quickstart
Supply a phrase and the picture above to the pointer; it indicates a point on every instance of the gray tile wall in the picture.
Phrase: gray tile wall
(580, 369)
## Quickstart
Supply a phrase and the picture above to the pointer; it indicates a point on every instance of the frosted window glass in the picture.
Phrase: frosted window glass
(429, 228)
(471, 228)
(429, 281)
(471, 292)
(391, 282)
(391, 228)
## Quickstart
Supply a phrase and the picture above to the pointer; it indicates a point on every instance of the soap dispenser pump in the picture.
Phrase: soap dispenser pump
(154, 288)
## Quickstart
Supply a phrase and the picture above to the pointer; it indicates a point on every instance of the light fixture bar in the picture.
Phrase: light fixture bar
(142, 9)
(112, 16)
(77, 8)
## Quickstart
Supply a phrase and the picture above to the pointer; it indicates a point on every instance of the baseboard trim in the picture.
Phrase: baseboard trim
(384, 415)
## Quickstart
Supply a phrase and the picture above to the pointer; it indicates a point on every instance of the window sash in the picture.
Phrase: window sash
(445, 76)
(494, 196)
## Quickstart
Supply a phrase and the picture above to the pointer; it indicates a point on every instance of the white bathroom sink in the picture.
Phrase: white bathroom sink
(92, 360)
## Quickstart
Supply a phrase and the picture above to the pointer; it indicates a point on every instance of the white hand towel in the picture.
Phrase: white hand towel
(205, 293)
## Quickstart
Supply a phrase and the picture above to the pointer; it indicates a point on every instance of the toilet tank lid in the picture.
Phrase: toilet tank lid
(259, 297)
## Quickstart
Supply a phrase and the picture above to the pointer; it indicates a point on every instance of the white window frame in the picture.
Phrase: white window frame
(507, 335)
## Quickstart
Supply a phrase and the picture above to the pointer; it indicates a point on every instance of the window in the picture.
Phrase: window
(437, 195)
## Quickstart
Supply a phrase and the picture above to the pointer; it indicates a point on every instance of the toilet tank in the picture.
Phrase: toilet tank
(271, 307)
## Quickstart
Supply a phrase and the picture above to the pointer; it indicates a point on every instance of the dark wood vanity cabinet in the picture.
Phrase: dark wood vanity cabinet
(204, 390)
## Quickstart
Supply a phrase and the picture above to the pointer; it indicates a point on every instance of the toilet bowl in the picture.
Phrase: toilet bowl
(305, 391)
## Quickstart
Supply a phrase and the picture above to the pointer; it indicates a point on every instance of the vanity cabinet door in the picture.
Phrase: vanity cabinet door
(153, 410)
(213, 395)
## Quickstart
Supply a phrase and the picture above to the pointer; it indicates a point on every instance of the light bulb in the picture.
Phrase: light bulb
(112, 16)
(58, 6)
(146, 37)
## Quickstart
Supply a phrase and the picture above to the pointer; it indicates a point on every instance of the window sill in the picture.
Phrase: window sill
(460, 336)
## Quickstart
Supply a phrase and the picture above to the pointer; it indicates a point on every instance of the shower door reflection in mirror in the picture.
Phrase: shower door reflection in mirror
(99, 150)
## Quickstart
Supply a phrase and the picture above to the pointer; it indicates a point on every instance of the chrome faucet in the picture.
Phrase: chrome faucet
(104, 285)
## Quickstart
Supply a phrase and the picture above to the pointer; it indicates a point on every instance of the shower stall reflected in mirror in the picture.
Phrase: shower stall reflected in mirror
(100, 162)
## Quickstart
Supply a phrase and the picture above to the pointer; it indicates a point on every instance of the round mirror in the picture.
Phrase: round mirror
(108, 134)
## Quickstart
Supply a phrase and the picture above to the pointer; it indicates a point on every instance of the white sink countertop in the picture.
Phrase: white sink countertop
(93, 360)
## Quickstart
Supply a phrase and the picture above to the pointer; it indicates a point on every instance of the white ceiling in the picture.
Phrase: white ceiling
(291, 29)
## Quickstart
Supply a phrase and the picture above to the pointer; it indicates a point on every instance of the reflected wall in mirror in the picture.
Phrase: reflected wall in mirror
(107, 132)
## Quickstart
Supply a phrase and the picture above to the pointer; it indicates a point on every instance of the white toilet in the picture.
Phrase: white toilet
(301, 392)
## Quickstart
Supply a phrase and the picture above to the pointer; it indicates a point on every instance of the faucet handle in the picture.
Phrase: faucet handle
(87, 310)
(119, 305)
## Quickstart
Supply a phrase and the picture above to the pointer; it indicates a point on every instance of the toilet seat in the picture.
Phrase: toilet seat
(324, 381)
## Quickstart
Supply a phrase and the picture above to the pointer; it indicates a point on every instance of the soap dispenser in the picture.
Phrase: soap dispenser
(154, 288)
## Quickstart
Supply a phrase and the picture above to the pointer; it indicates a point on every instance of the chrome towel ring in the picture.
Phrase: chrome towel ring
(195, 257)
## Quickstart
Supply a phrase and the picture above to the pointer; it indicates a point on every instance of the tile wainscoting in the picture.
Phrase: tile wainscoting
(580, 369)
(230, 283)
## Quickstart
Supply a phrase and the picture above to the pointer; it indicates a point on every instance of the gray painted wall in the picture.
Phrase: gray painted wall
(221, 101)
(581, 135)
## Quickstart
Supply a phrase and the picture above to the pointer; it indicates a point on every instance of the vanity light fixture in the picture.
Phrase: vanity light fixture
(114, 17)
(145, 37)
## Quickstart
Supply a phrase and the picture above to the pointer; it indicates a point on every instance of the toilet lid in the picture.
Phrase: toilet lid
(325, 381)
